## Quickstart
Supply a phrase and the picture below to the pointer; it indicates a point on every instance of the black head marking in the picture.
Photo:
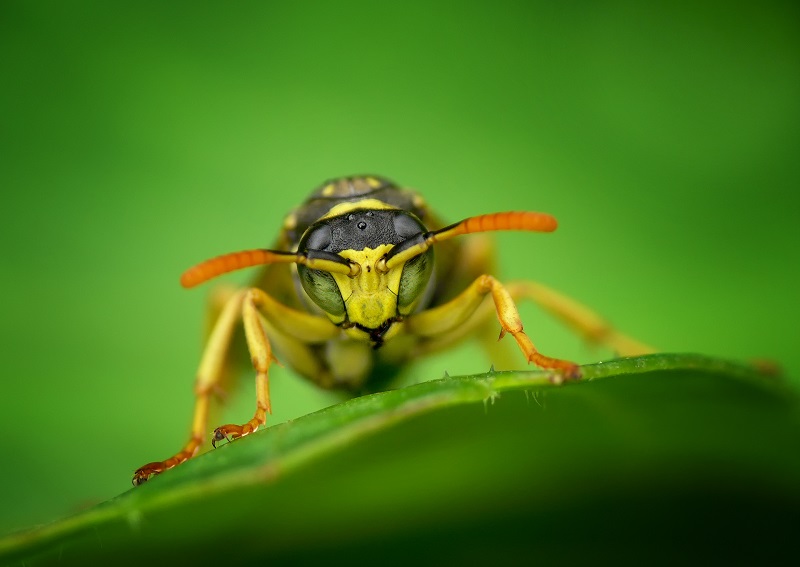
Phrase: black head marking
(361, 229)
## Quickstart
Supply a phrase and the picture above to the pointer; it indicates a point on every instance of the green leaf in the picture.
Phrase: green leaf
(644, 459)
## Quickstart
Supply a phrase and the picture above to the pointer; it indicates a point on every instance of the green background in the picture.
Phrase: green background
(137, 139)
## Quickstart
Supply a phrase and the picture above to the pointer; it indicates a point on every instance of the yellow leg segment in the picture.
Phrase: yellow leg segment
(453, 316)
(305, 327)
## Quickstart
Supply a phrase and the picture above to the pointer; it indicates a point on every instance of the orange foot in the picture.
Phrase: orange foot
(231, 431)
(145, 473)
(566, 370)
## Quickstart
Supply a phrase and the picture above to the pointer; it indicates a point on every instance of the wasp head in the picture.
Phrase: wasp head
(372, 297)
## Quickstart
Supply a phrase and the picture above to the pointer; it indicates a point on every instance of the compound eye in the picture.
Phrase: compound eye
(320, 238)
(414, 280)
(407, 226)
(322, 289)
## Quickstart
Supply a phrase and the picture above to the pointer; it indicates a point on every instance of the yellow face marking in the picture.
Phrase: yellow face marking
(344, 208)
(370, 297)
(328, 190)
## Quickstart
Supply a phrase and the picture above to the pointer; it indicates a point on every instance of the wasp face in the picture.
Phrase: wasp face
(371, 301)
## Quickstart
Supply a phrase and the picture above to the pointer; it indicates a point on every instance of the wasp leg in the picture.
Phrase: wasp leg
(261, 356)
(209, 374)
(451, 317)
(582, 320)
(579, 318)
(231, 366)
(291, 326)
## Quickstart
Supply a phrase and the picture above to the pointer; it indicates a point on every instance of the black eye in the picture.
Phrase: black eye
(320, 238)
(407, 226)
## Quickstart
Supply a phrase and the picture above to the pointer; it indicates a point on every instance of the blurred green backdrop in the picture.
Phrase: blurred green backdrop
(139, 138)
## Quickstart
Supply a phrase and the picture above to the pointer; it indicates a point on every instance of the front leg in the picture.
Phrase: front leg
(438, 322)
(261, 356)
(285, 321)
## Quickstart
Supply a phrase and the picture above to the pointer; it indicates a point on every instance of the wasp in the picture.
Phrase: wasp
(363, 278)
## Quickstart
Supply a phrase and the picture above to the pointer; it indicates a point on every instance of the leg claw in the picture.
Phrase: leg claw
(145, 473)
(229, 433)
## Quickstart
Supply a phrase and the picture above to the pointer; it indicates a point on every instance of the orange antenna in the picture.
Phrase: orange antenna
(515, 220)
(219, 265)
